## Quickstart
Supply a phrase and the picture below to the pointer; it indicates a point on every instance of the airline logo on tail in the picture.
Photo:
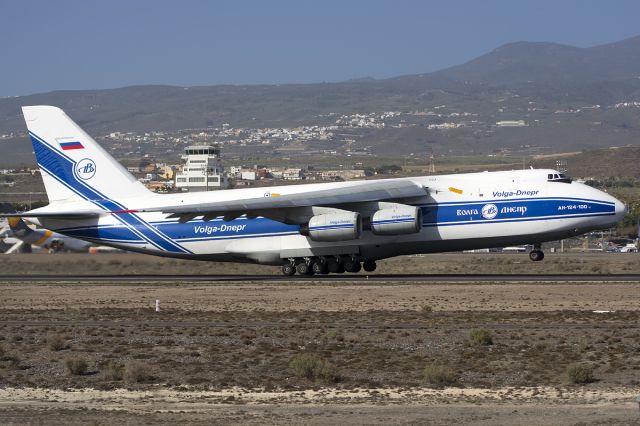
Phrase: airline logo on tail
(86, 169)
(66, 146)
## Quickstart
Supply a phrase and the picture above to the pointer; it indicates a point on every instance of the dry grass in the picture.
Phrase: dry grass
(439, 375)
(314, 367)
(137, 372)
(56, 342)
(480, 337)
(76, 366)
(426, 311)
(112, 372)
(10, 358)
(580, 374)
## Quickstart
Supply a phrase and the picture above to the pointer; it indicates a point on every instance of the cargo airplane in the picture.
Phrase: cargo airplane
(308, 229)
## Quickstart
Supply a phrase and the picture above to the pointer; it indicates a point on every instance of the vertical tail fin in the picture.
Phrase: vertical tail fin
(73, 166)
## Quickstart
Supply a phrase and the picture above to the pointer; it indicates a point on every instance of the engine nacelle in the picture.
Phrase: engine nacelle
(397, 221)
(333, 227)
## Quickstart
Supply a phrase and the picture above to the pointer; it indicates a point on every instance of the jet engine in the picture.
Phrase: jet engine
(333, 227)
(397, 221)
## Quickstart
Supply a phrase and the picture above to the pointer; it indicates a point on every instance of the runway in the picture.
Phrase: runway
(393, 278)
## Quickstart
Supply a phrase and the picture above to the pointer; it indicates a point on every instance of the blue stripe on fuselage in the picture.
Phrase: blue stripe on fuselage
(513, 211)
(61, 167)
(196, 230)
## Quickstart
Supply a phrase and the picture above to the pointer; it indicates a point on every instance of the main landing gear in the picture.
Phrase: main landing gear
(325, 265)
(536, 254)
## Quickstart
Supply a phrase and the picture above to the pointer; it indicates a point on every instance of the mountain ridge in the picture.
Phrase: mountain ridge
(520, 80)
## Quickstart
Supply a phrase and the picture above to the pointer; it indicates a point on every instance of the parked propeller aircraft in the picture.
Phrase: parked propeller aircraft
(317, 228)
(44, 238)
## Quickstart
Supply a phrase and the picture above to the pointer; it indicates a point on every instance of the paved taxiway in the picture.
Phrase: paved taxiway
(434, 278)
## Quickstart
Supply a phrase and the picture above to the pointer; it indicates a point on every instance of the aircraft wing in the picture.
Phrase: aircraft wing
(381, 190)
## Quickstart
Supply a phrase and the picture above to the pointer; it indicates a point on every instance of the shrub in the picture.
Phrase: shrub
(439, 375)
(426, 310)
(56, 342)
(480, 337)
(112, 372)
(314, 367)
(76, 366)
(136, 372)
(11, 357)
(583, 344)
(580, 373)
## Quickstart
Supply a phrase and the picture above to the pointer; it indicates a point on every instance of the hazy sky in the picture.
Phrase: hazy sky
(51, 45)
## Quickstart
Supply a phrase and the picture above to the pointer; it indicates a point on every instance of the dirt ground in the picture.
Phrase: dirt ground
(230, 353)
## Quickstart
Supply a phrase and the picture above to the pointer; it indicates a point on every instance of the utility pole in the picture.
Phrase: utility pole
(432, 163)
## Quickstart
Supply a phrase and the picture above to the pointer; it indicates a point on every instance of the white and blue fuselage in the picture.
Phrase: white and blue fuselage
(459, 212)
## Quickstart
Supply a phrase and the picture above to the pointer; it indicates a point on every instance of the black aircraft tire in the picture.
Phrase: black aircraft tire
(333, 266)
(536, 255)
(369, 265)
(351, 266)
(320, 268)
(302, 268)
(288, 269)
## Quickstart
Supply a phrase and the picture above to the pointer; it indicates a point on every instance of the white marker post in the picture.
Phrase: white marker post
(157, 305)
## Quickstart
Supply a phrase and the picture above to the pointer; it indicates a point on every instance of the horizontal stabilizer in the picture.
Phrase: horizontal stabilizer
(57, 215)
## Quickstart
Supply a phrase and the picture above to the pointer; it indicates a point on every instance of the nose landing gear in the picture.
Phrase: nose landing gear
(536, 254)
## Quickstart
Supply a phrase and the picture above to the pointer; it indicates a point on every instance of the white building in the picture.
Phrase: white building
(511, 123)
(292, 174)
(202, 171)
(248, 175)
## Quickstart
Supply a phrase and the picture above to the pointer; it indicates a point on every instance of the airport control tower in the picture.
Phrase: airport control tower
(203, 170)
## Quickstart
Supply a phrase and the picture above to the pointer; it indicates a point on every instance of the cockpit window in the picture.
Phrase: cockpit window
(558, 177)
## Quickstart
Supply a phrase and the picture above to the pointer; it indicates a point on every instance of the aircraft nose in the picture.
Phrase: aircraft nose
(621, 209)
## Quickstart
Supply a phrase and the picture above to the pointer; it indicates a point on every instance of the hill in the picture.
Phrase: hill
(615, 163)
(551, 64)
(569, 98)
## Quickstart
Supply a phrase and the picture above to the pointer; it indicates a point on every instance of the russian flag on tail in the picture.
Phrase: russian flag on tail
(71, 145)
